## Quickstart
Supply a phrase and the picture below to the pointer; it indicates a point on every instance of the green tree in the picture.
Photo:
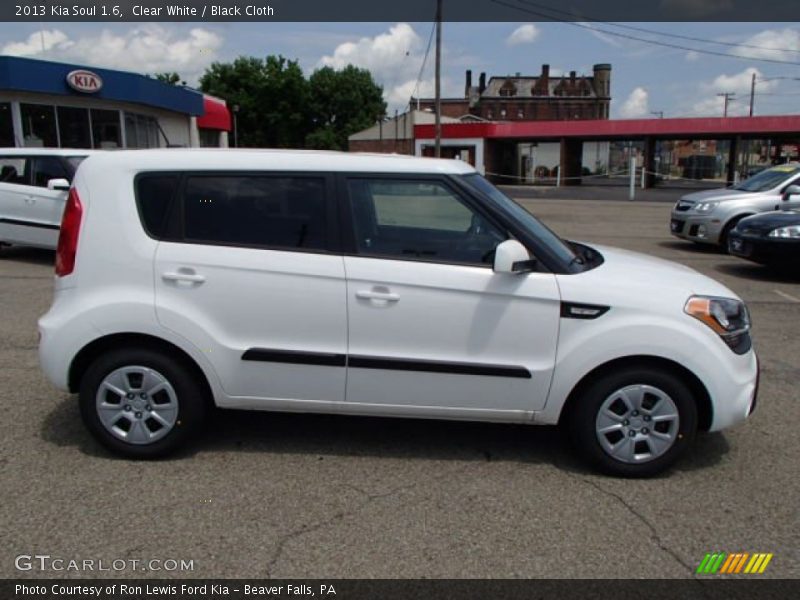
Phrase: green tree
(342, 103)
(272, 96)
(170, 78)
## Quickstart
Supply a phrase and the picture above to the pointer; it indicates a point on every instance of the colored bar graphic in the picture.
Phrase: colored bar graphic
(723, 563)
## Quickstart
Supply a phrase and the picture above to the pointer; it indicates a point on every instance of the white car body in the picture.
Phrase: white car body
(508, 352)
(30, 212)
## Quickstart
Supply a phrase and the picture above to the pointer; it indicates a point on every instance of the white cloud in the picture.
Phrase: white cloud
(45, 39)
(394, 59)
(147, 49)
(524, 34)
(781, 44)
(636, 105)
(709, 104)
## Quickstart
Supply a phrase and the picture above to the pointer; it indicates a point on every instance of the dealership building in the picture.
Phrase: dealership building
(59, 105)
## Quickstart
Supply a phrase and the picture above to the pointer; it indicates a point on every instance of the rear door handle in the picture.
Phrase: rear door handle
(188, 276)
(378, 294)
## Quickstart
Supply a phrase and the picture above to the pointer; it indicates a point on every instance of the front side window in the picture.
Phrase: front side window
(46, 168)
(259, 211)
(419, 220)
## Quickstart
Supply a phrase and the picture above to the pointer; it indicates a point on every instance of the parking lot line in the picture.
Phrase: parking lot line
(786, 296)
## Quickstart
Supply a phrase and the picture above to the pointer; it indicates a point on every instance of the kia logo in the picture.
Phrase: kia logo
(84, 81)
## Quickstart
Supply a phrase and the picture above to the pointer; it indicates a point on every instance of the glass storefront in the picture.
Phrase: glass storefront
(141, 131)
(73, 125)
(6, 125)
(39, 128)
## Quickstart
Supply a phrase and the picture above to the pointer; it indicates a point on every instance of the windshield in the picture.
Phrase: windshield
(538, 229)
(766, 180)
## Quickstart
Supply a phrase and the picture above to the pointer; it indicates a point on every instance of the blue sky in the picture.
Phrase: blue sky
(645, 77)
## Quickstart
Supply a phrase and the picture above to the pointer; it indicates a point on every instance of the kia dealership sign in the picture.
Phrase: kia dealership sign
(84, 81)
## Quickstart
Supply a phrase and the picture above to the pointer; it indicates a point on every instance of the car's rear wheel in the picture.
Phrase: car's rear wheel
(635, 422)
(140, 403)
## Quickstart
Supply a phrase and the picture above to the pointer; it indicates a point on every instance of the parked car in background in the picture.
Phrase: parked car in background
(373, 285)
(33, 189)
(771, 238)
(708, 217)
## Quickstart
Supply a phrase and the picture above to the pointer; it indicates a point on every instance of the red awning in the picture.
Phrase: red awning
(215, 115)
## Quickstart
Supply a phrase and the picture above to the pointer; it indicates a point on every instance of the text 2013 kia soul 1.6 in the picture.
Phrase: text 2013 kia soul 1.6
(373, 285)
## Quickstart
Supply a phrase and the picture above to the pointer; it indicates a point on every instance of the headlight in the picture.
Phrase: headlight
(728, 318)
(705, 207)
(787, 233)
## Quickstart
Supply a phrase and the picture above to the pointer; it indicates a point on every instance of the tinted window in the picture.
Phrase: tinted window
(46, 168)
(39, 125)
(73, 126)
(6, 125)
(154, 194)
(278, 212)
(12, 169)
(419, 220)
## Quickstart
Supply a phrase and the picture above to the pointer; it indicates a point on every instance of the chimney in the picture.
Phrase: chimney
(482, 83)
(468, 85)
(572, 76)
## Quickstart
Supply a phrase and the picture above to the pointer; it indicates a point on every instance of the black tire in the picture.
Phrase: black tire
(583, 421)
(723, 237)
(186, 391)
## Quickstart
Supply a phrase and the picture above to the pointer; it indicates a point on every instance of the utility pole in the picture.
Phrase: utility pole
(728, 97)
(752, 93)
(438, 92)
(658, 113)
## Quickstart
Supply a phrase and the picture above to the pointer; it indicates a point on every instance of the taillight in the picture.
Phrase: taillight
(68, 238)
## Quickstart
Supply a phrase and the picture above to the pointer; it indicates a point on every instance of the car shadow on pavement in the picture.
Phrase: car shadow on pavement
(692, 247)
(31, 256)
(758, 272)
(231, 431)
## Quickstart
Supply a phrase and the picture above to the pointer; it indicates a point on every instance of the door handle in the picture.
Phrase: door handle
(377, 294)
(188, 276)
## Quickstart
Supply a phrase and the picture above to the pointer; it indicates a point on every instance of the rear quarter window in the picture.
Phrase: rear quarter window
(154, 195)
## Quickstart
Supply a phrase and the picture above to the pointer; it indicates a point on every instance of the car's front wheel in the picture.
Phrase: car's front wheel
(635, 422)
(141, 403)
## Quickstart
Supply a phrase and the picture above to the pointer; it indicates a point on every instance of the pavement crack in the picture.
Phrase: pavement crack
(654, 535)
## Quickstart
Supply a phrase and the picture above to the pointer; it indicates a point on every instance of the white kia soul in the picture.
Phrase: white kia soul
(373, 285)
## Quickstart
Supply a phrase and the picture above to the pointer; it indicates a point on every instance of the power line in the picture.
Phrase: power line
(639, 39)
(661, 33)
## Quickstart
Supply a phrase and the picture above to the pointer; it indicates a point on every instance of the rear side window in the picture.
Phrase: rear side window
(12, 169)
(254, 210)
(154, 194)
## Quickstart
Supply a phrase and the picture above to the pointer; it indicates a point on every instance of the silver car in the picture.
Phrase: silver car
(708, 216)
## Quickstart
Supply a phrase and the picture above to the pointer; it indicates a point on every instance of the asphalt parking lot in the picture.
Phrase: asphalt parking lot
(295, 496)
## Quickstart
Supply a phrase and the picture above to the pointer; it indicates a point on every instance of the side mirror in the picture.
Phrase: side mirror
(792, 190)
(59, 184)
(512, 257)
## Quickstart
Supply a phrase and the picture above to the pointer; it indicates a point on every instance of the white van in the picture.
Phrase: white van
(373, 285)
(33, 190)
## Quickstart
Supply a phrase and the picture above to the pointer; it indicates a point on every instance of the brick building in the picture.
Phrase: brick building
(531, 98)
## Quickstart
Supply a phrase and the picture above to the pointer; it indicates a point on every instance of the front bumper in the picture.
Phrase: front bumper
(697, 228)
(764, 250)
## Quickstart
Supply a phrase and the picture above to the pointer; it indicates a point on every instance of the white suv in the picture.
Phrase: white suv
(373, 285)
(33, 190)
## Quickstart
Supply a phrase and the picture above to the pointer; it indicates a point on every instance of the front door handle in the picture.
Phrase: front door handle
(188, 276)
(378, 294)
